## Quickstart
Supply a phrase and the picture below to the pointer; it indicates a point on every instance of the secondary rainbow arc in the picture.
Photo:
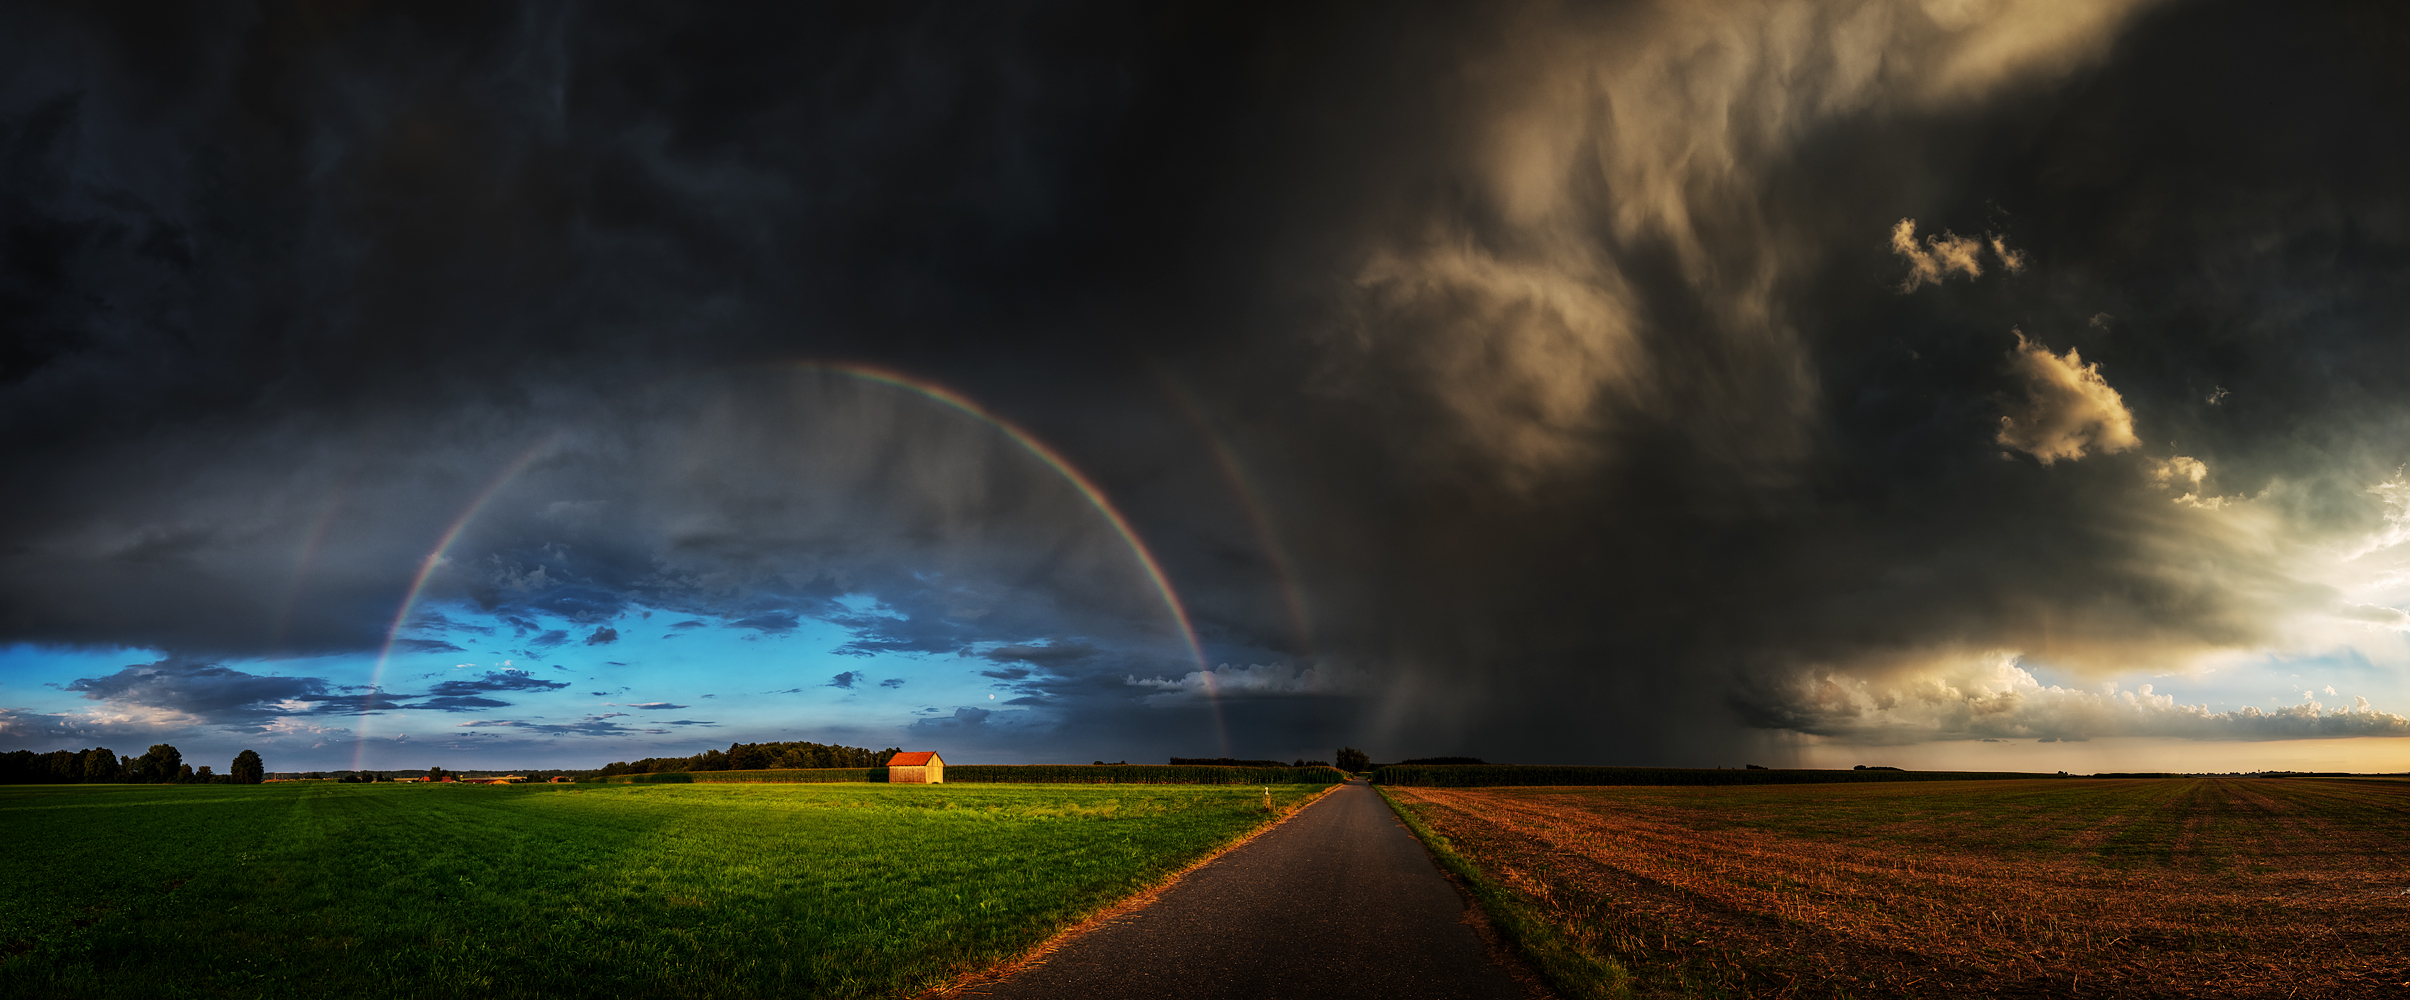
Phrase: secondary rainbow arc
(418, 584)
(1062, 466)
(1088, 490)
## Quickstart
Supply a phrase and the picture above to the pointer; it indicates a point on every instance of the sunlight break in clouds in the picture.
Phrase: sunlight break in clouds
(2394, 493)
(1994, 697)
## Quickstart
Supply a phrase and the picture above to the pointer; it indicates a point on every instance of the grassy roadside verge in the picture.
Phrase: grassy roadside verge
(1572, 970)
(1284, 807)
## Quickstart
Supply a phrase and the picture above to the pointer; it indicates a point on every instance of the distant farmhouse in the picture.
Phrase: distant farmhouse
(922, 767)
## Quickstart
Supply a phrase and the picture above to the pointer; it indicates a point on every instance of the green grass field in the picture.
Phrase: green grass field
(691, 891)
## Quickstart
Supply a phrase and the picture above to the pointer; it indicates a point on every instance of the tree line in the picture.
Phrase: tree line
(1235, 762)
(794, 755)
(162, 764)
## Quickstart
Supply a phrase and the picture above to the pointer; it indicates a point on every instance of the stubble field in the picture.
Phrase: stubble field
(2094, 888)
(692, 891)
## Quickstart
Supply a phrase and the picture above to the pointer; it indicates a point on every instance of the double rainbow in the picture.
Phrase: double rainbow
(1054, 460)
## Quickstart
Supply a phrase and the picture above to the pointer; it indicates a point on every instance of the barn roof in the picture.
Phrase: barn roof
(917, 758)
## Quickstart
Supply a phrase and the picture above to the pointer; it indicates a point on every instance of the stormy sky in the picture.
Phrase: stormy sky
(1972, 383)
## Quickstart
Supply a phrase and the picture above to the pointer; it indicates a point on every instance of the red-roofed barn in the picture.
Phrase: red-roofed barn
(920, 767)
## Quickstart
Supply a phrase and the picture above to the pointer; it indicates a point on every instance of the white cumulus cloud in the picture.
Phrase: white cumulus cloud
(1993, 696)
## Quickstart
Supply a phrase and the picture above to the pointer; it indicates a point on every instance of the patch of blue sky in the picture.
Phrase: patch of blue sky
(36, 677)
(535, 689)
(649, 666)
(2332, 677)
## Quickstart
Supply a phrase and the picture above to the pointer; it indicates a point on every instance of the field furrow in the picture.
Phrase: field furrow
(2206, 887)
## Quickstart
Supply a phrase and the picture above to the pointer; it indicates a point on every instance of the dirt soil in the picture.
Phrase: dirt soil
(2213, 887)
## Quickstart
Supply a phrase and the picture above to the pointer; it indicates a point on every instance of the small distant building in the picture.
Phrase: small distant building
(920, 767)
(561, 779)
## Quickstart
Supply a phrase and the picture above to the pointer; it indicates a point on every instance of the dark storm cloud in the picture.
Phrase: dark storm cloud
(1050, 653)
(206, 690)
(456, 703)
(498, 680)
(963, 718)
(361, 702)
(1542, 381)
(219, 695)
(592, 725)
(766, 623)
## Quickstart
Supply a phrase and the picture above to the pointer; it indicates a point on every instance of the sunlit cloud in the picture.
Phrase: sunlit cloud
(1994, 696)
(2067, 407)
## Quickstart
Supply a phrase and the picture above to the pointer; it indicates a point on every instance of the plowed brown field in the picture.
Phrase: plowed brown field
(2214, 887)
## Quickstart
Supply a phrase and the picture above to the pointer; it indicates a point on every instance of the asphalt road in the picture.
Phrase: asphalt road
(1340, 901)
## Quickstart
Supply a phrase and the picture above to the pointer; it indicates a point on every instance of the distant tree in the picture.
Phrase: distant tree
(748, 757)
(162, 763)
(436, 773)
(247, 768)
(183, 772)
(100, 764)
(60, 767)
(1351, 759)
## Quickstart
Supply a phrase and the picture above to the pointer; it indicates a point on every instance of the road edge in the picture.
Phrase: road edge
(1125, 906)
(1517, 935)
